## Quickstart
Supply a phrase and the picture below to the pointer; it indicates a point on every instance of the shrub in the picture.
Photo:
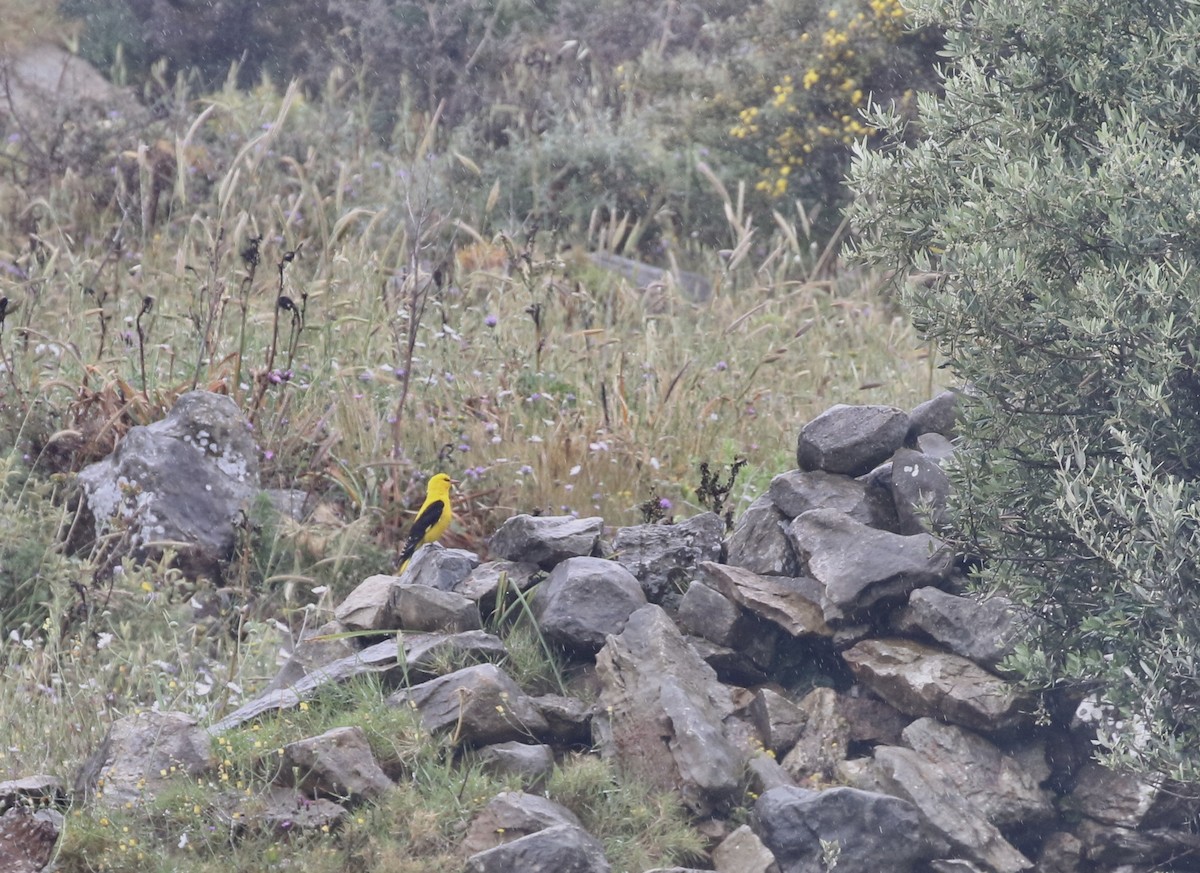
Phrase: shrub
(801, 75)
(1053, 205)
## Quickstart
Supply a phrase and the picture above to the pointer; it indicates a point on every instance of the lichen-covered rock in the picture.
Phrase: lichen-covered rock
(183, 480)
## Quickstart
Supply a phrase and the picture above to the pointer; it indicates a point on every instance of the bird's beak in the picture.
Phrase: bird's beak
(456, 482)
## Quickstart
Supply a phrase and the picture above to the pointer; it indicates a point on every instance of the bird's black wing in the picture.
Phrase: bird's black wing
(424, 523)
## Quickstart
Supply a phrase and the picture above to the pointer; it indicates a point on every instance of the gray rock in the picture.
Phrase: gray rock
(878, 485)
(546, 540)
(798, 491)
(1124, 800)
(705, 612)
(923, 681)
(420, 608)
(368, 606)
(338, 764)
(661, 713)
(484, 582)
(286, 811)
(44, 79)
(954, 866)
(936, 415)
(864, 827)
(435, 566)
(1004, 788)
(860, 566)
(511, 815)
(851, 439)
(778, 720)
(531, 763)
(981, 631)
(315, 648)
(765, 773)
(182, 481)
(562, 849)
(288, 502)
(663, 557)
(871, 720)
(791, 603)
(731, 666)
(758, 543)
(477, 706)
(1062, 852)
(422, 655)
(584, 600)
(1107, 845)
(38, 790)
(935, 446)
(569, 718)
(822, 745)
(696, 287)
(919, 491)
(144, 753)
(742, 852)
(920, 781)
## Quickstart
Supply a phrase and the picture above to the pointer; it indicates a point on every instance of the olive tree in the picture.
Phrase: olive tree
(1051, 205)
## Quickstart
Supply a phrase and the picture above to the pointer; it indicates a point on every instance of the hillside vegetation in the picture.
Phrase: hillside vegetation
(389, 273)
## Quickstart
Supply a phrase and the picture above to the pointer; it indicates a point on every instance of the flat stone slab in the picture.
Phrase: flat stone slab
(923, 681)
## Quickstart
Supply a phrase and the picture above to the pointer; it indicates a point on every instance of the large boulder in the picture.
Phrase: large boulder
(27, 839)
(937, 415)
(180, 483)
(860, 566)
(142, 754)
(44, 80)
(794, 604)
(662, 712)
(1004, 787)
(919, 491)
(402, 659)
(981, 631)
(798, 491)
(338, 764)
(511, 815)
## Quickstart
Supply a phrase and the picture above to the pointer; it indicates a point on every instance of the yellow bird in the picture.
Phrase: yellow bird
(432, 520)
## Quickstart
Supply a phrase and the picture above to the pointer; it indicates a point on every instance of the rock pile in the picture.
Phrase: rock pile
(824, 651)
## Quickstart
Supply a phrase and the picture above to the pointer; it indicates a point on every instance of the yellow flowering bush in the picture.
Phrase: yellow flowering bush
(796, 107)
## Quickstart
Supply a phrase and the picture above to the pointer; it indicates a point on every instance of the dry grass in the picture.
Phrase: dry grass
(409, 343)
